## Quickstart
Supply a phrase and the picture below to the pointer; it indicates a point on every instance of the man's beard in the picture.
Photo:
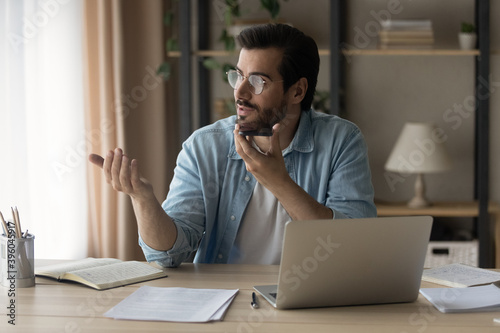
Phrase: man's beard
(260, 124)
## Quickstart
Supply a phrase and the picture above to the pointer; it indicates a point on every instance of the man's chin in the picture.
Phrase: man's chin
(260, 132)
(253, 129)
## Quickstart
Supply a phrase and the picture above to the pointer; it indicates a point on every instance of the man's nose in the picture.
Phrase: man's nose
(244, 90)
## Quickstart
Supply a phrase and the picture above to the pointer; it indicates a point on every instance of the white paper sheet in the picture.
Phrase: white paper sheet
(174, 304)
(472, 299)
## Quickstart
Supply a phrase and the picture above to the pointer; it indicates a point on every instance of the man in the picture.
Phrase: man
(232, 192)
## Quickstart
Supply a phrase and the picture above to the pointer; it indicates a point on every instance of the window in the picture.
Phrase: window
(42, 145)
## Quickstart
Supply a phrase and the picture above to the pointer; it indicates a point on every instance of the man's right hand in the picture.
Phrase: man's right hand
(156, 228)
(123, 174)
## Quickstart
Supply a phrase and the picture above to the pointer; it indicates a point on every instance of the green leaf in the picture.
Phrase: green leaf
(272, 6)
(229, 43)
(228, 18)
(172, 44)
(468, 27)
(228, 40)
(225, 68)
(164, 70)
(211, 63)
(223, 35)
(168, 18)
(233, 7)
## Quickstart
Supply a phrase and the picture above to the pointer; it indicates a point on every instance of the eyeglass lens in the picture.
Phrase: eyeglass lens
(256, 82)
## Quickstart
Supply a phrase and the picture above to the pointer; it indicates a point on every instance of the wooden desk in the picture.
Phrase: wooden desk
(447, 209)
(55, 307)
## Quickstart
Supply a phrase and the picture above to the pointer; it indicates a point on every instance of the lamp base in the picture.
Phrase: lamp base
(419, 202)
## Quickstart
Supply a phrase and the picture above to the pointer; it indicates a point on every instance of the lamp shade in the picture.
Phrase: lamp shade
(419, 149)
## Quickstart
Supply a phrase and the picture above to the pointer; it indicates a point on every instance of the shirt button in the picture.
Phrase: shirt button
(247, 178)
(233, 218)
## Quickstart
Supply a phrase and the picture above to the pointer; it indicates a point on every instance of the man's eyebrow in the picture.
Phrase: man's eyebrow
(253, 73)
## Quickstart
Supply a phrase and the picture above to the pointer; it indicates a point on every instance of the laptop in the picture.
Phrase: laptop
(350, 262)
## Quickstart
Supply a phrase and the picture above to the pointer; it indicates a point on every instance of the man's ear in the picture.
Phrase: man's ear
(298, 91)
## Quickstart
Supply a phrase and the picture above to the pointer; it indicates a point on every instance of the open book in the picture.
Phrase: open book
(101, 273)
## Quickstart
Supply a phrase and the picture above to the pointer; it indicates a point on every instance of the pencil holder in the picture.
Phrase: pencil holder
(17, 261)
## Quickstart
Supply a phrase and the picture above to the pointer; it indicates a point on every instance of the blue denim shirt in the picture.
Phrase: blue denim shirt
(211, 186)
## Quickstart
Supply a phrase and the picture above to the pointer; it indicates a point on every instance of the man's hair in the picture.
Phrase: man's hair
(300, 54)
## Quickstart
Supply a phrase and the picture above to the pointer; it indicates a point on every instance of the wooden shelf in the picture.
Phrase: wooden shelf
(204, 53)
(449, 209)
(223, 53)
(353, 52)
(411, 52)
(438, 209)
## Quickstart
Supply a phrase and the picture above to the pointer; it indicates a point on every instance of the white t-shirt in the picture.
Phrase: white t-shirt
(260, 236)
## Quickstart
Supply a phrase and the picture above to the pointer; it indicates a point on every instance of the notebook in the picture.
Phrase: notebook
(350, 262)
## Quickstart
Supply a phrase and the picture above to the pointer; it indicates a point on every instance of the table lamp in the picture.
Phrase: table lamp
(419, 149)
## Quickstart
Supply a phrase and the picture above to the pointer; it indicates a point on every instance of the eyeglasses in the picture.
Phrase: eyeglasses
(235, 79)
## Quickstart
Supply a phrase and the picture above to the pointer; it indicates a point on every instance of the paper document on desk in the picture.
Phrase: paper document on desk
(472, 299)
(459, 275)
(174, 304)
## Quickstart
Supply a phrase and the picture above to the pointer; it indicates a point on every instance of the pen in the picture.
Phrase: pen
(4, 225)
(17, 223)
(254, 303)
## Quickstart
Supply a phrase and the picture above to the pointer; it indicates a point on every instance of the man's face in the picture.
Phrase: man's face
(257, 113)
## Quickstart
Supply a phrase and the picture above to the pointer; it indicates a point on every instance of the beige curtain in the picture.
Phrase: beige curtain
(126, 106)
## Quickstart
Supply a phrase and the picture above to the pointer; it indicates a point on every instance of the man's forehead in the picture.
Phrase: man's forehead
(260, 60)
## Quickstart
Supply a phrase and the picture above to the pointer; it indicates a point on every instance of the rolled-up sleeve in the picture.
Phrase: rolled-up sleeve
(185, 205)
(171, 258)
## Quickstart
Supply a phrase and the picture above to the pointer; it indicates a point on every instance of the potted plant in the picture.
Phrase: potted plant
(467, 37)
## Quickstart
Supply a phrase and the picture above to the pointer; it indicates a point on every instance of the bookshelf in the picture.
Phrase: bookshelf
(484, 227)
(191, 66)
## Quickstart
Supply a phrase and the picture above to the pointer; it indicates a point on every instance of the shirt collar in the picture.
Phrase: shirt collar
(303, 140)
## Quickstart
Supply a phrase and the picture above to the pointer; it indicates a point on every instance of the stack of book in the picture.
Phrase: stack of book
(415, 33)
